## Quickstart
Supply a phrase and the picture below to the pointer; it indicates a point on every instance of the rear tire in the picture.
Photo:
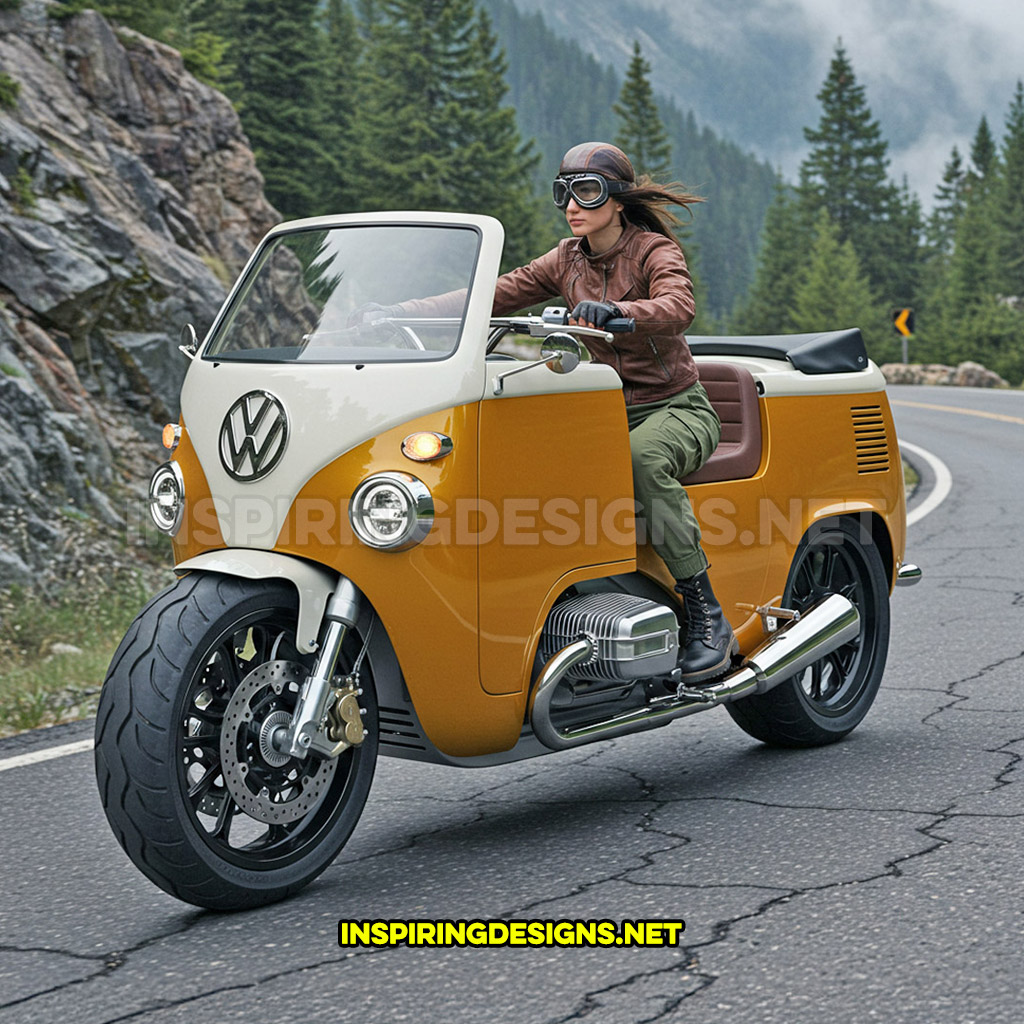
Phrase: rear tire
(828, 700)
(159, 752)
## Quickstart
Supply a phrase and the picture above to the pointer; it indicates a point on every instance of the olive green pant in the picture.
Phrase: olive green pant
(671, 439)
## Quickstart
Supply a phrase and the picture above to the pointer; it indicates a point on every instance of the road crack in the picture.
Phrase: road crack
(591, 1001)
(108, 963)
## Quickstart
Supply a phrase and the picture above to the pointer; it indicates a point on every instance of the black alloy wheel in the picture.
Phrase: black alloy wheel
(192, 785)
(829, 699)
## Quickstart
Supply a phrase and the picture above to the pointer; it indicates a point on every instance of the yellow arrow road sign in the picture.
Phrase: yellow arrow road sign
(903, 319)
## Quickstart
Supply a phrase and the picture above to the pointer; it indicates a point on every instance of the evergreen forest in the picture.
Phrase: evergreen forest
(413, 104)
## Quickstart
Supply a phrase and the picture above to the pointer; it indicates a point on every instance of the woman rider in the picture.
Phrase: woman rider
(624, 261)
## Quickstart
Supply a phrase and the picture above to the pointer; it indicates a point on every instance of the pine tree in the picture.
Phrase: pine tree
(834, 292)
(641, 132)
(277, 52)
(896, 247)
(970, 279)
(339, 101)
(434, 134)
(154, 18)
(490, 159)
(1009, 200)
(846, 174)
(930, 342)
(781, 261)
(983, 153)
(949, 204)
(201, 31)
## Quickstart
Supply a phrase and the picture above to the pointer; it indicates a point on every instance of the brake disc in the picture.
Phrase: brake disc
(266, 784)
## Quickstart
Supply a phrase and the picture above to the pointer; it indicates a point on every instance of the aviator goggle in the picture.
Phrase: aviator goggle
(589, 190)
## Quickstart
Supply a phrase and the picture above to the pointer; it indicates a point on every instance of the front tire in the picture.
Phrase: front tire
(166, 722)
(828, 700)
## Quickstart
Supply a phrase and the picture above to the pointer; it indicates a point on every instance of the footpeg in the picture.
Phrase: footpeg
(684, 692)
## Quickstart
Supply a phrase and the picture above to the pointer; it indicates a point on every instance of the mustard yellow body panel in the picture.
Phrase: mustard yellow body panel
(839, 456)
(556, 473)
(426, 597)
(536, 496)
(200, 529)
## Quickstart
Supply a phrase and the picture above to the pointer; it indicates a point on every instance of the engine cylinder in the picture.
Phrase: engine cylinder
(633, 637)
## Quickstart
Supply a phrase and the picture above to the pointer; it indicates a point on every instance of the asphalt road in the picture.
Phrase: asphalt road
(877, 879)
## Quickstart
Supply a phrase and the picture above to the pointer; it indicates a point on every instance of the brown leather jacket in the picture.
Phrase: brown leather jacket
(644, 274)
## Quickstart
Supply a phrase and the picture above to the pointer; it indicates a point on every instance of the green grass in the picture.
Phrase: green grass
(910, 478)
(39, 686)
(21, 186)
(9, 89)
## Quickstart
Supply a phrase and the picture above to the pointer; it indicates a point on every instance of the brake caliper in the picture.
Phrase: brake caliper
(345, 717)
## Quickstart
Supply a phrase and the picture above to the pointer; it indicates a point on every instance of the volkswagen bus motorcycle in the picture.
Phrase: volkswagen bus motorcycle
(391, 538)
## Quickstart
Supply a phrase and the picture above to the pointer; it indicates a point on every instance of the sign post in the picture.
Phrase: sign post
(903, 321)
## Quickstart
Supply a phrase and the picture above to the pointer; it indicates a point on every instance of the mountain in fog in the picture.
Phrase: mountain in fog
(751, 70)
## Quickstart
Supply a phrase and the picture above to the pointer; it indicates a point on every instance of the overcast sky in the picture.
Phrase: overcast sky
(930, 68)
(905, 52)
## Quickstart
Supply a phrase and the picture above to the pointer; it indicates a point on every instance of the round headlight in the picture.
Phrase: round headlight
(391, 511)
(167, 497)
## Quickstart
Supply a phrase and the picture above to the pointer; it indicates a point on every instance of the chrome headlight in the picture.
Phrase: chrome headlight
(167, 497)
(391, 511)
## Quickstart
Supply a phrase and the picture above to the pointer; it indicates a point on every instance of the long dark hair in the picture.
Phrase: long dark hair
(646, 205)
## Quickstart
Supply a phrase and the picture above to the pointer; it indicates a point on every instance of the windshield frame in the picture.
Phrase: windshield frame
(387, 356)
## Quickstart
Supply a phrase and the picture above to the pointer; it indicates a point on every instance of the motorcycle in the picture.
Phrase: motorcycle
(394, 539)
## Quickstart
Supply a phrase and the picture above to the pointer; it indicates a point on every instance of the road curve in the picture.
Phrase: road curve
(878, 879)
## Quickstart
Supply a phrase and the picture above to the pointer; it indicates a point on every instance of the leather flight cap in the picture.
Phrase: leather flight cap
(598, 158)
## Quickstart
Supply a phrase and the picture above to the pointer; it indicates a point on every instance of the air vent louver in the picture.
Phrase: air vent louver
(871, 442)
(398, 729)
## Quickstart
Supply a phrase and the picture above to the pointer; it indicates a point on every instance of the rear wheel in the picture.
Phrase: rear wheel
(829, 699)
(191, 784)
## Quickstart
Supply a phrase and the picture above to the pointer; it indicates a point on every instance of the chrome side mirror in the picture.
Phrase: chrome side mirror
(188, 341)
(560, 353)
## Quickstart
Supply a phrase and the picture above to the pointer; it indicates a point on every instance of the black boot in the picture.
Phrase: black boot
(710, 643)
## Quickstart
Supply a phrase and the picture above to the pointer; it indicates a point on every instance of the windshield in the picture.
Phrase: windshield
(334, 295)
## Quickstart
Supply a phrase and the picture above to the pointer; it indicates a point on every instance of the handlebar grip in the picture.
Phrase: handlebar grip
(617, 325)
(620, 325)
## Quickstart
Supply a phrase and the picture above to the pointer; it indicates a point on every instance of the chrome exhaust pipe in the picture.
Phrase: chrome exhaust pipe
(820, 630)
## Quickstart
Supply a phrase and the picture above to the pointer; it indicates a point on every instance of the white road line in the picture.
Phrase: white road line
(943, 482)
(46, 754)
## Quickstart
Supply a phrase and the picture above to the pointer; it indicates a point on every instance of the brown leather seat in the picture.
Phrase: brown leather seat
(733, 393)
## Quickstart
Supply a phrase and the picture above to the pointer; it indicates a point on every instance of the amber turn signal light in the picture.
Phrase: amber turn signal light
(425, 445)
(171, 436)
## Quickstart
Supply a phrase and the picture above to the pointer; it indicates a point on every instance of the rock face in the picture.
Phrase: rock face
(965, 375)
(129, 199)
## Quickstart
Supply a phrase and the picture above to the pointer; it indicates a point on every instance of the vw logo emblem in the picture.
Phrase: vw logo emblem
(253, 436)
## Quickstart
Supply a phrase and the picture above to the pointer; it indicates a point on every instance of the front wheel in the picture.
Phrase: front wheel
(827, 700)
(192, 786)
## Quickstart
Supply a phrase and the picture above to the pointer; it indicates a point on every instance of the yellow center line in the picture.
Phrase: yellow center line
(963, 412)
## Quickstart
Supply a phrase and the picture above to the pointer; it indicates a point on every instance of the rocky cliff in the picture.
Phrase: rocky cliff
(129, 199)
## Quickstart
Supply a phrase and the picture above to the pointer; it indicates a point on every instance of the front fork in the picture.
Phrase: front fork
(308, 733)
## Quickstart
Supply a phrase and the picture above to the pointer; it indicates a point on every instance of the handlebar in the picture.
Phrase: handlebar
(617, 325)
(553, 321)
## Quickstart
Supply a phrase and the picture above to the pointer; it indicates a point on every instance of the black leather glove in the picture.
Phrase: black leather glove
(370, 311)
(596, 313)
